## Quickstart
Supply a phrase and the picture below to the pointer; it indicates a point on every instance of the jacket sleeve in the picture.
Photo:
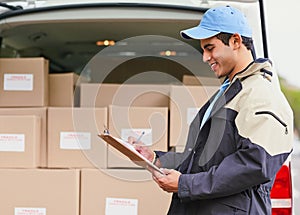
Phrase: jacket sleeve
(264, 141)
(169, 160)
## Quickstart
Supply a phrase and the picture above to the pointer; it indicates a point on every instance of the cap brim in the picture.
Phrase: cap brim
(197, 33)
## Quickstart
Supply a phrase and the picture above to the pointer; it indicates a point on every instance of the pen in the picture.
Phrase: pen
(140, 137)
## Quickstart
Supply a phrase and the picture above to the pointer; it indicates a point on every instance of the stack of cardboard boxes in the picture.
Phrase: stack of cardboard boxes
(28, 187)
(51, 158)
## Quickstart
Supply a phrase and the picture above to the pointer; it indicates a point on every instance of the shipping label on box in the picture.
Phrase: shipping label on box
(12, 142)
(18, 82)
(121, 206)
(75, 140)
(30, 211)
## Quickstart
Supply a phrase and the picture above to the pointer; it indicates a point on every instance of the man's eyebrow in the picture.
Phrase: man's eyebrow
(207, 45)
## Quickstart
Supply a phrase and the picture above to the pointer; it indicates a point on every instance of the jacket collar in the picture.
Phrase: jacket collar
(260, 65)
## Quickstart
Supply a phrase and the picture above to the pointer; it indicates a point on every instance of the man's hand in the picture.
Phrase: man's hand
(142, 148)
(169, 181)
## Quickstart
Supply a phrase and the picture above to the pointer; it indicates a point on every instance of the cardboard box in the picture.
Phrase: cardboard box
(132, 121)
(102, 95)
(39, 191)
(40, 112)
(200, 81)
(61, 89)
(185, 102)
(73, 140)
(119, 191)
(20, 141)
(24, 82)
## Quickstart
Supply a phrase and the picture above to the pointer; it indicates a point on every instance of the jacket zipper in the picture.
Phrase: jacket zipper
(276, 117)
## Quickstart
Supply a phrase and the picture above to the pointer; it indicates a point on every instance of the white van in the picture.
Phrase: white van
(138, 42)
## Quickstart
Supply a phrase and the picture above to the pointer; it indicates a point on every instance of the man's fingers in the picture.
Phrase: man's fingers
(131, 139)
(167, 171)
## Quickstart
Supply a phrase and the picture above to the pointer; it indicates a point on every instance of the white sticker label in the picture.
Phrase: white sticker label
(75, 140)
(144, 135)
(12, 142)
(30, 211)
(121, 206)
(191, 113)
(18, 82)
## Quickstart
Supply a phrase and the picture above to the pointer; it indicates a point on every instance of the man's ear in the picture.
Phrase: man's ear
(236, 40)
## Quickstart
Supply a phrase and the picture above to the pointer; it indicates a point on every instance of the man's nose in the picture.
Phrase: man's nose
(206, 57)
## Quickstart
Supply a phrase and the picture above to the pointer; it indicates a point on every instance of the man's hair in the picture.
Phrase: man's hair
(247, 41)
(224, 37)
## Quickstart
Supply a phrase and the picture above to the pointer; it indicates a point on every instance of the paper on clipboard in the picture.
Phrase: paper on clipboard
(128, 150)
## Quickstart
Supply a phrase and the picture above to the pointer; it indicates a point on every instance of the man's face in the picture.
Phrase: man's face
(219, 56)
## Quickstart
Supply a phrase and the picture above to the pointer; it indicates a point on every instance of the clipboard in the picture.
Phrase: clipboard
(128, 150)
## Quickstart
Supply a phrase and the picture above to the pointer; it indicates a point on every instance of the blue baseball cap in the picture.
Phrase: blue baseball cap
(225, 19)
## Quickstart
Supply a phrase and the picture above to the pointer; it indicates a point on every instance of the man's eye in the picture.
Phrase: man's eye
(209, 48)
